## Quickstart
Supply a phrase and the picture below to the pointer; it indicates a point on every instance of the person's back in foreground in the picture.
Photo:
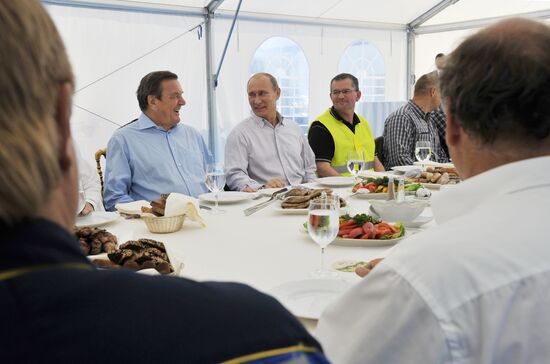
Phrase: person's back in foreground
(54, 305)
(473, 289)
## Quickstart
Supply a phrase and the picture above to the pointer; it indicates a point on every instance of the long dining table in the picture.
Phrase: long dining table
(263, 250)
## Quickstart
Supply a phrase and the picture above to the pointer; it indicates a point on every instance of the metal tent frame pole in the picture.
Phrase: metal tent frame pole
(411, 35)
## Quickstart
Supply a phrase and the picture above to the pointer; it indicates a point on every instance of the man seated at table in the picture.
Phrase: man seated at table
(266, 149)
(438, 116)
(337, 132)
(414, 122)
(155, 153)
(55, 306)
(90, 185)
(474, 288)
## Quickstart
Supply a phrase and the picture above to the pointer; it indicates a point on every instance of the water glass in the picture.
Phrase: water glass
(215, 181)
(322, 225)
(423, 151)
(356, 162)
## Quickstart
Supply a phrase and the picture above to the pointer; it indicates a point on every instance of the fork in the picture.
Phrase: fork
(249, 211)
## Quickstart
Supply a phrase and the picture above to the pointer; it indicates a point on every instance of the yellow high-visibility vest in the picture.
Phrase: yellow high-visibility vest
(345, 141)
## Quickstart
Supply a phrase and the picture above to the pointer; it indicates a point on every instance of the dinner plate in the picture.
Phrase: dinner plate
(363, 193)
(374, 174)
(416, 223)
(280, 209)
(404, 169)
(369, 243)
(434, 164)
(132, 208)
(308, 298)
(336, 181)
(96, 218)
(226, 197)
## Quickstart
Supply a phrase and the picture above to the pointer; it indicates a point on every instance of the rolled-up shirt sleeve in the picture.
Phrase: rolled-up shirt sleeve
(118, 174)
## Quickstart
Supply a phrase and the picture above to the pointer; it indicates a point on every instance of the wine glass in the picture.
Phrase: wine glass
(322, 225)
(356, 162)
(215, 181)
(423, 152)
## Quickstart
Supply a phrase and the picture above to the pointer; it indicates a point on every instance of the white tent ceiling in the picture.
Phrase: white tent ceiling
(395, 12)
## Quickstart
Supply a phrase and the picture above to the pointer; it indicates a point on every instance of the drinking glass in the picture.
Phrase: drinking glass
(322, 225)
(356, 162)
(423, 152)
(215, 181)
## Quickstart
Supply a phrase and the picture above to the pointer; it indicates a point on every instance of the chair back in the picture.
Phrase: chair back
(379, 148)
(101, 152)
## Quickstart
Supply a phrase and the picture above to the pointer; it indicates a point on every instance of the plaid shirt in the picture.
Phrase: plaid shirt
(402, 129)
(440, 121)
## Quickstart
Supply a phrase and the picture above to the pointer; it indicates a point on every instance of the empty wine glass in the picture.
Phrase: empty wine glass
(423, 152)
(215, 181)
(322, 225)
(356, 162)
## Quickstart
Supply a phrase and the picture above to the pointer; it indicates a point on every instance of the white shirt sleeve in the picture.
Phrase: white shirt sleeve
(382, 319)
(89, 183)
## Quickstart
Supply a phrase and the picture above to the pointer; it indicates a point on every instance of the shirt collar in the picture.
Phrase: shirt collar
(459, 200)
(263, 122)
(418, 111)
(338, 117)
(144, 122)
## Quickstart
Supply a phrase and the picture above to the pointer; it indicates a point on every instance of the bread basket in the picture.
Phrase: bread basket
(163, 224)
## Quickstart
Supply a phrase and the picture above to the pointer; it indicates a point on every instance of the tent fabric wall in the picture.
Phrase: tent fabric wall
(322, 46)
(100, 41)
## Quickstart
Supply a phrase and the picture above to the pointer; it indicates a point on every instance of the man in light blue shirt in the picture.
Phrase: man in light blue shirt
(156, 153)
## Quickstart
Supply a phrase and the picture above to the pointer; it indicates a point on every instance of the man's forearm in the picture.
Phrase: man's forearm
(324, 169)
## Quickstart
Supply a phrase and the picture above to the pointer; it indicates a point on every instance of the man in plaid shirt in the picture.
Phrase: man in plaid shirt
(414, 122)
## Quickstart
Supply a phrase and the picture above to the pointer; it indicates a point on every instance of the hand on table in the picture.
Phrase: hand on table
(249, 189)
(363, 271)
(275, 183)
(86, 210)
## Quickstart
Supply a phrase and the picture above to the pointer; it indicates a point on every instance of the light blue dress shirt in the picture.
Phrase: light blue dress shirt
(145, 160)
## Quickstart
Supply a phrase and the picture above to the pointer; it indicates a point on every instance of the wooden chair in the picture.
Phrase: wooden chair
(379, 148)
(101, 152)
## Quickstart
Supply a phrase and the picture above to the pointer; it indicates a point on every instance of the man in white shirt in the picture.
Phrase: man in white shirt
(90, 185)
(473, 289)
(266, 149)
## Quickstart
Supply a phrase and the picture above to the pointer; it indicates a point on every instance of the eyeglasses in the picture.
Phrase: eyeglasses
(344, 92)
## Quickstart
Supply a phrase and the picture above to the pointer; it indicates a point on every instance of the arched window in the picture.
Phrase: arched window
(364, 61)
(285, 60)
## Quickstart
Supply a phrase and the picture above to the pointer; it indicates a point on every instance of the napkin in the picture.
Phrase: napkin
(131, 208)
(179, 204)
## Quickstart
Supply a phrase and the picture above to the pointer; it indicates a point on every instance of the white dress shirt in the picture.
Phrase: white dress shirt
(256, 152)
(474, 289)
(89, 182)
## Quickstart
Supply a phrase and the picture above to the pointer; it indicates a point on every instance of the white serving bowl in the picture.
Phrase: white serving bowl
(391, 210)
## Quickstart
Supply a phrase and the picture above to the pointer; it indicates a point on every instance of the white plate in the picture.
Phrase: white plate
(267, 192)
(96, 218)
(374, 174)
(279, 208)
(308, 298)
(432, 186)
(405, 169)
(364, 194)
(336, 181)
(366, 242)
(434, 164)
(362, 242)
(227, 197)
(132, 208)
(416, 223)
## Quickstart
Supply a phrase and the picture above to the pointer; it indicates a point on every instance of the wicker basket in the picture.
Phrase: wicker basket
(163, 225)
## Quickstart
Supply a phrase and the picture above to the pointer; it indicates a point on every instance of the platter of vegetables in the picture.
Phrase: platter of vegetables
(377, 188)
(366, 230)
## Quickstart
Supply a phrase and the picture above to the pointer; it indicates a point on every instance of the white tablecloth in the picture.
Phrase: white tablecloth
(262, 250)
